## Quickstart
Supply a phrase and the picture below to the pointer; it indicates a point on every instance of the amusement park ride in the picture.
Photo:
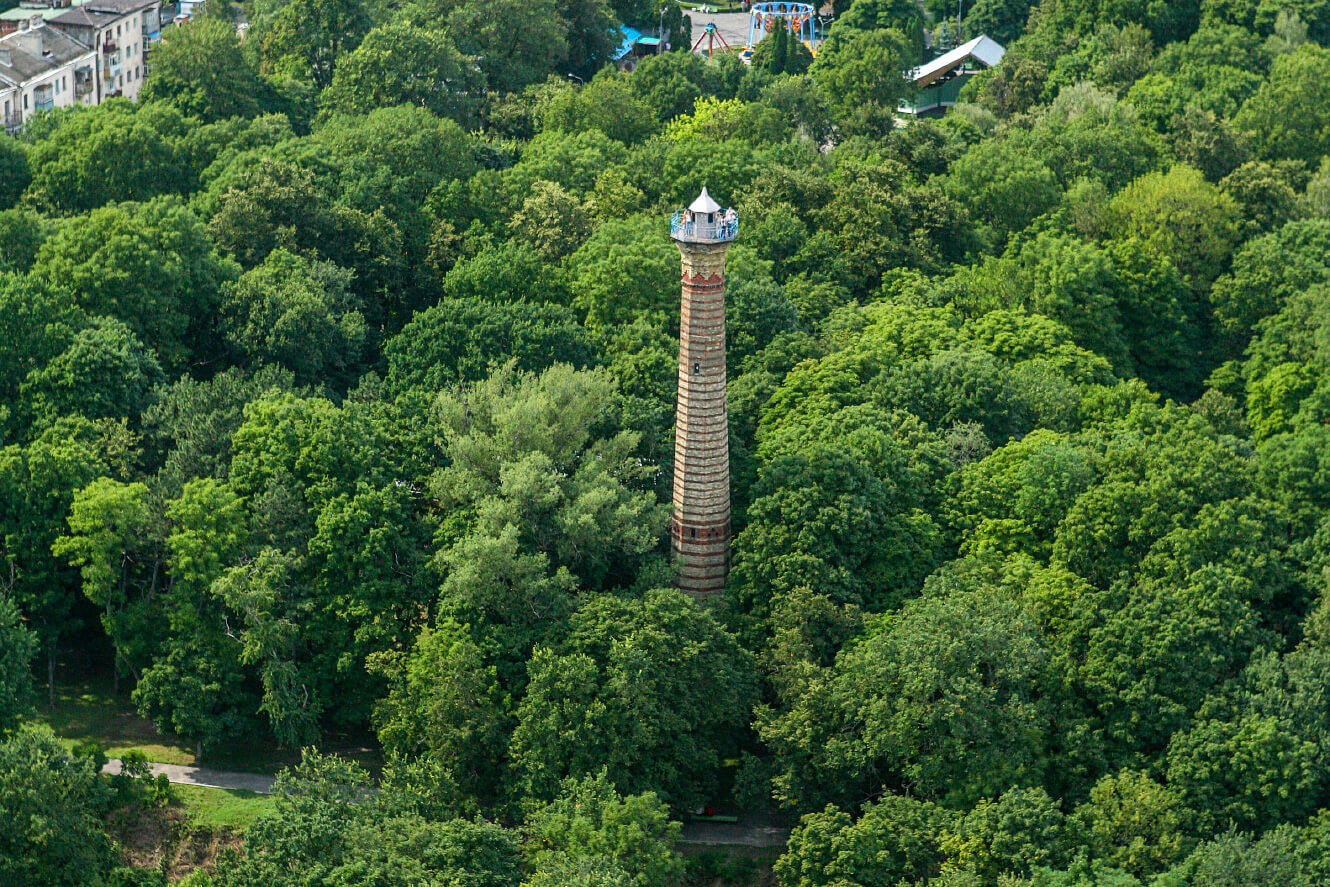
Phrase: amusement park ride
(800, 19)
(712, 37)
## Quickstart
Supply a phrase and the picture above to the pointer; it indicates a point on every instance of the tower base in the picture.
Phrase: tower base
(701, 555)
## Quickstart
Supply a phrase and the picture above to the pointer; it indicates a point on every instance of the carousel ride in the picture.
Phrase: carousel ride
(800, 19)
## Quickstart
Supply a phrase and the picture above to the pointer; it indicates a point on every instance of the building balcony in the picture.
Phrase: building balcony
(694, 230)
(109, 45)
(13, 122)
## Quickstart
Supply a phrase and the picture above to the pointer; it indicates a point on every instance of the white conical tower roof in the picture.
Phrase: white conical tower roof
(704, 203)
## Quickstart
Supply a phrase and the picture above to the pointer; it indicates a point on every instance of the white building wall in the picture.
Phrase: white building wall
(131, 49)
(55, 88)
(61, 84)
(52, 90)
(9, 101)
(121, 71)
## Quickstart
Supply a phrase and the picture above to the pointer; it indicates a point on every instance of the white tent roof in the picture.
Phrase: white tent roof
(704, 203)
(982, 49)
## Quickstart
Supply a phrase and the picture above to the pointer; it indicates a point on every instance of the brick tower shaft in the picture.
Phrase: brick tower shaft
(700, 531)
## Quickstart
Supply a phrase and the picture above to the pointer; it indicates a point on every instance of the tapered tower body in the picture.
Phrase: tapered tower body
(700, 530)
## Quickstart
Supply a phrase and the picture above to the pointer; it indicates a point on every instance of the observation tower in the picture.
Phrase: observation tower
(700, 529)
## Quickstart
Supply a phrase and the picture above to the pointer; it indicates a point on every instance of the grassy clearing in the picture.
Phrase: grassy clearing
(186, 835)
(221, 808)
(88, 711)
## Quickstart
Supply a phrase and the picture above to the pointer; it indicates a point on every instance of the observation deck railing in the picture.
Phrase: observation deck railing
(695, 231)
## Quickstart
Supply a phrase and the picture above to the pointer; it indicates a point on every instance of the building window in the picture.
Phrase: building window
(697, 368)
(692, 532)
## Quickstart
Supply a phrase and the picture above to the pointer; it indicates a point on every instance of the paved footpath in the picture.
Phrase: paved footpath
(253, 782)
(733, 26)
(742, 834)
(745, 834)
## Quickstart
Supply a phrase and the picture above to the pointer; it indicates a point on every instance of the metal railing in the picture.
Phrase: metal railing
(703, 232)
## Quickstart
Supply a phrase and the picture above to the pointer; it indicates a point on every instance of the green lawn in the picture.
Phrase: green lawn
(221, 808)
(87, 709)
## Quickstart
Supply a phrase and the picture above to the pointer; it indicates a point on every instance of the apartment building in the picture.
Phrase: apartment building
(42, 68)
(121, 33)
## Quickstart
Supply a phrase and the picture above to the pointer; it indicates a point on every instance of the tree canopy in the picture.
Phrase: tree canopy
(337, 389)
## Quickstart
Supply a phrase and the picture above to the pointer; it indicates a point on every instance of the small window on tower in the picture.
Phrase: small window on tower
(692, 532)
(697, 368)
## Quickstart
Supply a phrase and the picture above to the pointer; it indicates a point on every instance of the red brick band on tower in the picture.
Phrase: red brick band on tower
(700, 530)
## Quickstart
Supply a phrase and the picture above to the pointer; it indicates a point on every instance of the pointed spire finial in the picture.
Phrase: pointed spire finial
(704, 203)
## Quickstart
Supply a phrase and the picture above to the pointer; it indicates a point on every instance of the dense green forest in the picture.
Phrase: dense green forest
(337, 386)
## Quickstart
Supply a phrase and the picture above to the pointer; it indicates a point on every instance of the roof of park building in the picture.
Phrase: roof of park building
(985, 50)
